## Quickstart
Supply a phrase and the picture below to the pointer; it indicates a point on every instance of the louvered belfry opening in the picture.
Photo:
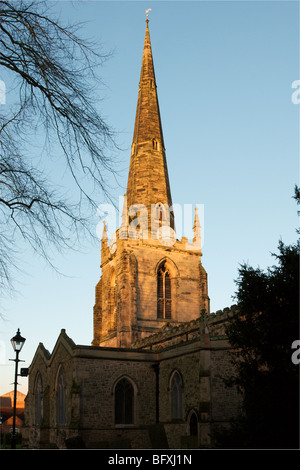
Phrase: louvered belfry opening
(164, 298)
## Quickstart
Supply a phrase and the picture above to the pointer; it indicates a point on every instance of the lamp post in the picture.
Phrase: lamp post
(17, 344)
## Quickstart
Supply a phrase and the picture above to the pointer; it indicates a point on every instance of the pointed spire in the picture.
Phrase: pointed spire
(148, 181)
(148, 122)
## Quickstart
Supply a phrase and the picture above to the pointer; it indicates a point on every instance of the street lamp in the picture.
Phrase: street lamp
(17, 344)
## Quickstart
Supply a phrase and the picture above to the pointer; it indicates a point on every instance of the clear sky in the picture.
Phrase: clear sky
(224, 74)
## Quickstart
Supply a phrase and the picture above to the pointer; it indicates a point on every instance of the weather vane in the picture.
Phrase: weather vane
(149, 9)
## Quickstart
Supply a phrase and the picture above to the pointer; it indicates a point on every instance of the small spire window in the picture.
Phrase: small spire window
(155, 144)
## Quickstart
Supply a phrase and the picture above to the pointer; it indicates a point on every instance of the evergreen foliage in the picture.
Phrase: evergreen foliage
(263, 333)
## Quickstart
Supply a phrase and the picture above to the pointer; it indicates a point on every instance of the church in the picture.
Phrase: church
(153, 376)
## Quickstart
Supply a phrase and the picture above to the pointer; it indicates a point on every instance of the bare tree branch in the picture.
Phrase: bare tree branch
(53, 70)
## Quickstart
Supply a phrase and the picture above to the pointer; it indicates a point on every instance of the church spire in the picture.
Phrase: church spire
(147, 121)
(148, 181)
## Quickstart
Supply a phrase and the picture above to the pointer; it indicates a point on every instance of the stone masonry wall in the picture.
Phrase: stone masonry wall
(91, 373)
(135, 264)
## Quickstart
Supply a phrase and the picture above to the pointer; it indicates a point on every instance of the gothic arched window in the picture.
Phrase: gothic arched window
(176, 391)
(60, 398)
(193, 424)
(113, 301)
(164, 299)
(124, 402)
(38, 400)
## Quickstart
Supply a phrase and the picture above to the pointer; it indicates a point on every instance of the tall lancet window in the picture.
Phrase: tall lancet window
(61, 398)
(176, 390)
(193, 424)
(113, 301)
(124, 402)
(164, 299)
(38, 400)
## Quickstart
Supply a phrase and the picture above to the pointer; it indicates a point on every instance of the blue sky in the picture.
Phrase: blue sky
(224, 74)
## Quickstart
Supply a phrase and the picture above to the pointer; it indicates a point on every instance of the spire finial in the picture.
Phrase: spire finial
(147, 11)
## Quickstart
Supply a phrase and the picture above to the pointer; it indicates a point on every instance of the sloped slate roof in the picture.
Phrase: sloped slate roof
(213, 324)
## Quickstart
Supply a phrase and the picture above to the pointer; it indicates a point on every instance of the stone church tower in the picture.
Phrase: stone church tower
(149, 278)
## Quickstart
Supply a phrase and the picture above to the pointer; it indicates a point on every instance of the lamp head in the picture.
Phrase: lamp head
(18, 341)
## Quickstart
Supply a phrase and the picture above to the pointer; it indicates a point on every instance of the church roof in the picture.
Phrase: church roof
(174, 334)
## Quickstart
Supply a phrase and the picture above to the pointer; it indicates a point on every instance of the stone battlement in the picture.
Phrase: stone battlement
(173, 333)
